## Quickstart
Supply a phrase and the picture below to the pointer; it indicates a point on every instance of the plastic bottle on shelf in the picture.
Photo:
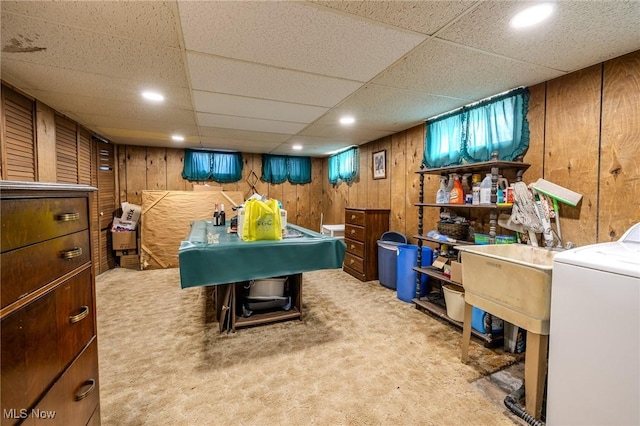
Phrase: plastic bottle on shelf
(447, 192)
(216, 215)
(485, 190)
(475, 189)
(456, 196)
(440, 194)
(466, 188)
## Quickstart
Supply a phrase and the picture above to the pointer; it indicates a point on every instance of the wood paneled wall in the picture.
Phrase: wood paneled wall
(150, 168)
(585, 136)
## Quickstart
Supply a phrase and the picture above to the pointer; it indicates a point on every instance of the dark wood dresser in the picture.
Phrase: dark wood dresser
(47, 306)
(362, 230)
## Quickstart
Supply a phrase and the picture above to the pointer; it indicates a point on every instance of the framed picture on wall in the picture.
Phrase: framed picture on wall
(380, 164)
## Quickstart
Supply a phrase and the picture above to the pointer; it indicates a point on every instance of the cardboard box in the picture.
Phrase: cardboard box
(440, 262)
(126, 252)
(456, 272)
(130, 261)
(124, 240)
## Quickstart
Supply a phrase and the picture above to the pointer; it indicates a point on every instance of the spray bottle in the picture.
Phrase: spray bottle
(440, 194)
(456, 196)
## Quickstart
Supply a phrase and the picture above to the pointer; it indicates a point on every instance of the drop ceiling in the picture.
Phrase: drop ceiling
(262, 76)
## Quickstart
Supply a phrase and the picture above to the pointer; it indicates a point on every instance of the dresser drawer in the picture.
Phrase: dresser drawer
(355, 247)
(29, 268)
(74, 315)
(40, 220)
(75, 396)
(354, 232)
(354, 262)
(41, 339)
(354, 217)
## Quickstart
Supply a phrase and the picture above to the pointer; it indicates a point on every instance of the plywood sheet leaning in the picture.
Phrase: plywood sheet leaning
(167, 216)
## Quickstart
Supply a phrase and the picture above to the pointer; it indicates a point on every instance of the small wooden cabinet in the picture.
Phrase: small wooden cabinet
(48, 318)
(362, 230)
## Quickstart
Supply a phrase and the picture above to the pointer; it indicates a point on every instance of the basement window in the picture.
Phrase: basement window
(472, 133)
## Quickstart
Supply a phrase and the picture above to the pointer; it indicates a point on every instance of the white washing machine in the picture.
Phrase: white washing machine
(594, 338)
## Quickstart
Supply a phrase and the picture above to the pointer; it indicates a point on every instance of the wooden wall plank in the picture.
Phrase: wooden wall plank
(136, 171)
(384, 185)
(156, 168)
(289, 201)
(318, 176)
(397, 176)
(536, 117)
(572, 124)
(45, 143)
(619, 159)
(414, 154)
(175, 165)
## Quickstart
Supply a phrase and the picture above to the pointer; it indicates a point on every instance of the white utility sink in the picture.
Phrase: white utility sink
(511, 281)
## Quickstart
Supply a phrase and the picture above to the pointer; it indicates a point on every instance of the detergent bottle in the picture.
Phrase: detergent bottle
(485, 190)
(456, 196)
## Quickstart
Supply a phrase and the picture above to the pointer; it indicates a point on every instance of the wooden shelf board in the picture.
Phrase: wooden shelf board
(441, 312)
(266, 317)
(466, 206)
(435, 273)
(433, 240)
(472, 167)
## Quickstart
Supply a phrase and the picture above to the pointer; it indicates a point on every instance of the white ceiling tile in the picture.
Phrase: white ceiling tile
(329, 129)
(218, 103)
(222, 75)
(56, 83)
(443, 68)
(391, 109)
(80, 50)
(244, 123)
(295, 35)
(133, 123)
(87, 106)
(148, 138)
(578, 34)
(152, 22)
(245, 135)
(238, 145)
(425, 17)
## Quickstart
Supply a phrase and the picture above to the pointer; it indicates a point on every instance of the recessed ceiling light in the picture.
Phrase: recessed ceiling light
(153, 96)
(177, 138)
(347, 120)
(532, 15)
(297, 147)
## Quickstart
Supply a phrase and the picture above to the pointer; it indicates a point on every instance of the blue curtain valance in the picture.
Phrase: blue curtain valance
(344, 166)
(472, 133)
(222, 167)
(278, 168)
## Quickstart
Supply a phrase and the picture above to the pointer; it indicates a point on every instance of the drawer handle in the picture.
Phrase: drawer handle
(353, 247)
(351, 261)
(84, 311)
(70, 254)
(68, 217)
(92, 385)
(353, 231)
(353, 216)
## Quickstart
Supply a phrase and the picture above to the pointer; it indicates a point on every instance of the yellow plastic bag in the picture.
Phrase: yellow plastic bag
(261, 221)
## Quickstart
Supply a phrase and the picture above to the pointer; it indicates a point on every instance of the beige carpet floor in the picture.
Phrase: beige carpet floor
(360, 356)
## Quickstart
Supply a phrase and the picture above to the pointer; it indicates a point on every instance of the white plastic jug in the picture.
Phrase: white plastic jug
(485, 190)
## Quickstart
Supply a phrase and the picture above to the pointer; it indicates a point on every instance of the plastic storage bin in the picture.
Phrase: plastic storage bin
(387, 256)
(406, 276)
(454, 299)
(477, 322)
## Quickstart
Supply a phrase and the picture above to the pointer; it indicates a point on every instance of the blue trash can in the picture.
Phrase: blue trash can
(387, 255)
(406, 276)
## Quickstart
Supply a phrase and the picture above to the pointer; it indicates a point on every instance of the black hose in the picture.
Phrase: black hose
(511, 401)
